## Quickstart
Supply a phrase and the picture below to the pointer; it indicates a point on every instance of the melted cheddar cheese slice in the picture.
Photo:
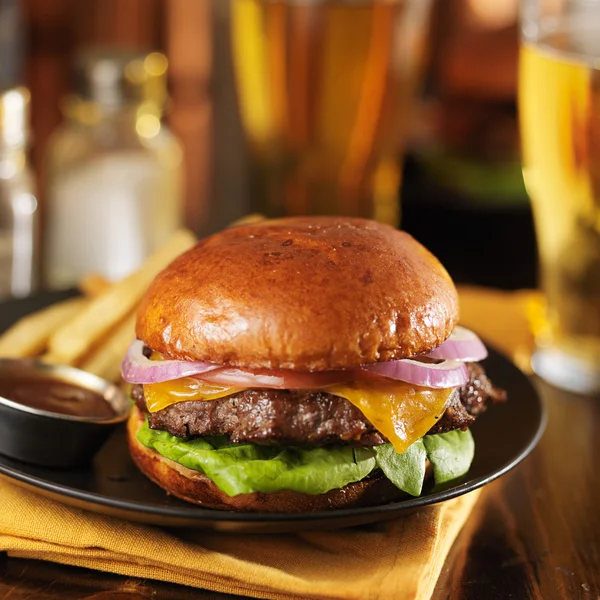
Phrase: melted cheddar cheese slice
(161, 395)
(402, 412)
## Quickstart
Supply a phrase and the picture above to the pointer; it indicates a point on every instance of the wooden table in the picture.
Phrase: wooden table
(534, 534)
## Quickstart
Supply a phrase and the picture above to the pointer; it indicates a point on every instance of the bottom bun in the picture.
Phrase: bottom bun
(197, 488)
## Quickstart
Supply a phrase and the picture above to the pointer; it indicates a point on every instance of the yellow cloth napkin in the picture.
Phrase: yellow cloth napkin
(507, 320)
(398, 559)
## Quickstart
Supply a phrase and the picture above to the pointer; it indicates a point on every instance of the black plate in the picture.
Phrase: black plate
(112, 485)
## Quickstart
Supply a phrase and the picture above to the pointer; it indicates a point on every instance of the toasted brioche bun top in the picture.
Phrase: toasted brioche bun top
(306, 293)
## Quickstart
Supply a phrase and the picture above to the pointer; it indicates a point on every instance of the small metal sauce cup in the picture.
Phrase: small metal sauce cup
(53, 439)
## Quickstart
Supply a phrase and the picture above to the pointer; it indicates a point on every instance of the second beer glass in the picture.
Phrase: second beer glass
(325, 90)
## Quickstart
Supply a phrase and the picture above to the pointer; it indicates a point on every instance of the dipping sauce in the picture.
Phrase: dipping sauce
(54, 395)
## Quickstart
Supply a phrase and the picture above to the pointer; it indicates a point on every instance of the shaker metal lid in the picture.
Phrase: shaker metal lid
(113, 77)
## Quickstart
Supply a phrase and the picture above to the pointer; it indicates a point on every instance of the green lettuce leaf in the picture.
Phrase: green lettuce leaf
(451, 454)
(406, 471)
(246, 468)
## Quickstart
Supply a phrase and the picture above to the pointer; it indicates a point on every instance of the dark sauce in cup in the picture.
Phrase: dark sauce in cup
(56, 396)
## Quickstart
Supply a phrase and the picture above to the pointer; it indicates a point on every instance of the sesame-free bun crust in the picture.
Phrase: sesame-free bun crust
(306, 293)
(194, 487)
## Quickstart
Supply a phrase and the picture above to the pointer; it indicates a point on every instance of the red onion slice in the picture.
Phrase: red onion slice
(275, 378)
(447, 374)
(136, 368)
(463, 345)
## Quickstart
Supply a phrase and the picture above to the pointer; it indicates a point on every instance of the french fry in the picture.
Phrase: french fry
(50, 359)
(106, 360)
(93, 285)
(29, 336)
(75, 339)
(248, 220)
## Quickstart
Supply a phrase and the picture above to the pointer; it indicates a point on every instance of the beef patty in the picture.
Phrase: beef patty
(301, 417)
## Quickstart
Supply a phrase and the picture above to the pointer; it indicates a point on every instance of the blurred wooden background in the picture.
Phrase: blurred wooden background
(474, 109)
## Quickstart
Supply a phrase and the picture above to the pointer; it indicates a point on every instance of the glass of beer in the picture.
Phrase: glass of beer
(559, 105)
(325, 90)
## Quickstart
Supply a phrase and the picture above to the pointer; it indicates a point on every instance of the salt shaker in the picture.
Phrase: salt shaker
(114, 170)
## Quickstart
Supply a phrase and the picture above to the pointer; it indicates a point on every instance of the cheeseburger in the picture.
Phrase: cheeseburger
(303, 364)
